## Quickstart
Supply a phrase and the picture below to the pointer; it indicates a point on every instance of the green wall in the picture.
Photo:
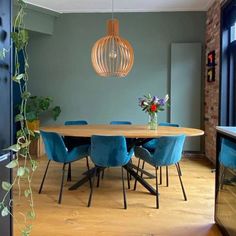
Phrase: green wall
(38, 19)
(60, 64)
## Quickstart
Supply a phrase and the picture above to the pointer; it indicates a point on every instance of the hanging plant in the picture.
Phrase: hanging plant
(22, 163)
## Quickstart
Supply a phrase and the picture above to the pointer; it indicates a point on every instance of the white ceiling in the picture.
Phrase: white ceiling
(71, 6)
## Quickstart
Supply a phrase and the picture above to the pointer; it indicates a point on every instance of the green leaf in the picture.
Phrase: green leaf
(34, 165)
(18, 78)
(25, 95)
(6, 186)
(19, 117)
(31, 215)
(27, 193)
(21, 171)
(26, 231)
(4, 212)
(14, 148)
(27, 172)
(56, 112)
(24, 36)
(20, 39)
(12, 164)
(19, 133)
(24, 151)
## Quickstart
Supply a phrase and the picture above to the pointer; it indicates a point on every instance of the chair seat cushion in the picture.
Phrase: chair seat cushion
(78, 153)
(151, 145)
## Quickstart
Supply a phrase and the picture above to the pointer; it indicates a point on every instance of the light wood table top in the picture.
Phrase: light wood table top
(129, 131)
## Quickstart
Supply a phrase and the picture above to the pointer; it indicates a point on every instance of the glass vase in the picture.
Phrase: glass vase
(152, 121)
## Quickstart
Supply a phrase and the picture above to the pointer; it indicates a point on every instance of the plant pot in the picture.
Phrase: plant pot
(33, 125)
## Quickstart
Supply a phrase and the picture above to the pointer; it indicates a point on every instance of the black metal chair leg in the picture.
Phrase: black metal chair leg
(123, 184)
(91, 191)
(180, 179)
(135, 182)
(98, 176)
(157, 194)
(44, 176)
(90, 181)
(142, 169)
(160, 175)
(179, 169)
(103, 173)
(130, 176)
(167, 177)
(62, 182)
(128, 179)
(69, 173)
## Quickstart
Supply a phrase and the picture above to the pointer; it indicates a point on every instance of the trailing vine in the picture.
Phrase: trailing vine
(22, 163)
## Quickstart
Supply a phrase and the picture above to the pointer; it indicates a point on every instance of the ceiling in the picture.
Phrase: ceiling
(72, 6)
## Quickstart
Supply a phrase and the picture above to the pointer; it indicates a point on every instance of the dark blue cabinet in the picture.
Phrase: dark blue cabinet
(5, 104)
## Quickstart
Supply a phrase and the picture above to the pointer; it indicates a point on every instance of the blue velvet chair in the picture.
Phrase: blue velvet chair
(151, 146)
(109, 151)
(168, 152)
(72, 142)
(128, 141)
(227, 158)
(120, 123)
(56, 151)
(76, 122)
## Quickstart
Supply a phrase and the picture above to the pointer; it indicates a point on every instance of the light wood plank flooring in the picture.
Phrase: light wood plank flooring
(107, 216)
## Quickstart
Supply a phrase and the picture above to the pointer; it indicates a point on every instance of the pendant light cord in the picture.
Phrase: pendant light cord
(112, 7)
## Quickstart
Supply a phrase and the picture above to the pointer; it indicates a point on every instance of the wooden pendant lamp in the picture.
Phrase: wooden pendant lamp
(112, 56)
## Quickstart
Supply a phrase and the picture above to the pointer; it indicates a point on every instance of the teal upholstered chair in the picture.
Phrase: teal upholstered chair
(72, 142)
(109, 151)
(227, 158)
(120, 123)
(128, 141)
(151, 146)
(168, 152)
(56, 151)
(76, 122)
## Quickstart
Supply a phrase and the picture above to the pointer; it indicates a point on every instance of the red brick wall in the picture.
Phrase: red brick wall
(212, 89)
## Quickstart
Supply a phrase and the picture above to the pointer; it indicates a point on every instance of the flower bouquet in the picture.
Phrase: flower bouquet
(152, 105)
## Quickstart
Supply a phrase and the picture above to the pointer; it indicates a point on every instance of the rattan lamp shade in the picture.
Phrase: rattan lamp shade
(112, 56)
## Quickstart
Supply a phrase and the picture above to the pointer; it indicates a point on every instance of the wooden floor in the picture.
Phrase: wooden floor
(107, 216)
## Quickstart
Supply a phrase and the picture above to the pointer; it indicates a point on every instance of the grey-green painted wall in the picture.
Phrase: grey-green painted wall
(60, 64)
(38, 19)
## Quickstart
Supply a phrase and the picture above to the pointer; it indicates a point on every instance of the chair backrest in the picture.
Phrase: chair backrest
(228, 154)
(109, 151)
(168, 124)
(54, 146)
(120, 123)
(76, 122)
(168, 150)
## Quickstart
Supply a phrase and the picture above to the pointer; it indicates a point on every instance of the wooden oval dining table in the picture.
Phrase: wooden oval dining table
(129, 131)
(139, 133)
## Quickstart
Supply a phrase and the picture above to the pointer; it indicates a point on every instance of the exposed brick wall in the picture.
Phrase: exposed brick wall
(212, 89)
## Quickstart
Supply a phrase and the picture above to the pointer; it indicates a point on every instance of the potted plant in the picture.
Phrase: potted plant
(37, 106)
